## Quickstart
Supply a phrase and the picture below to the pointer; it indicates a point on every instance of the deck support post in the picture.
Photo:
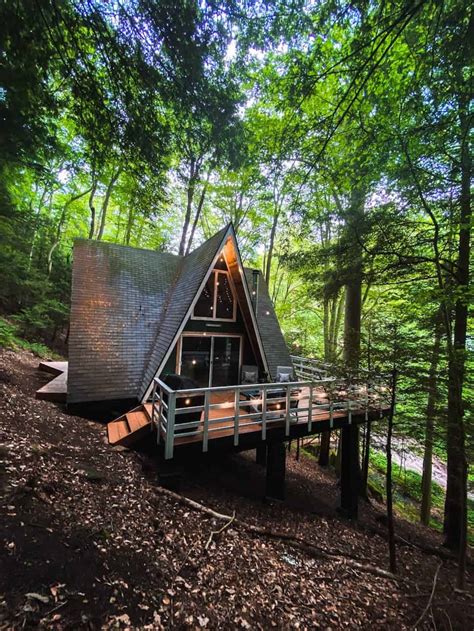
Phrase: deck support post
(324, 449)
(276, 469)
(261, 456)
(349, 472)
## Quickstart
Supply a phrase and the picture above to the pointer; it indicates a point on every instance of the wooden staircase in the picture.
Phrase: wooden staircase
(131, 427)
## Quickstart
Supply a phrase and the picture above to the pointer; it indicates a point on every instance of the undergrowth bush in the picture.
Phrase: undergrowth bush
(10, 338)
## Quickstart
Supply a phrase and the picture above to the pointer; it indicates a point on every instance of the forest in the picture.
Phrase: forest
(335, 136)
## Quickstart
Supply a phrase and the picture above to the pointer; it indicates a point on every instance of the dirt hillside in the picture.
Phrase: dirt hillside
(88, 541)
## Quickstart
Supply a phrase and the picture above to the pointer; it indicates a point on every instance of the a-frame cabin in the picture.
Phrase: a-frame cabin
(190, 348)
(140, 314)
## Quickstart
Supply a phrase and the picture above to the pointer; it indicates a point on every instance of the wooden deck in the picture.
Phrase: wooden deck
(56, 389)
(320, 419)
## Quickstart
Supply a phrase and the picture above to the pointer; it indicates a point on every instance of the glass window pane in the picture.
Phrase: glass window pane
(225, 299)
(196, 359)
(225, 369)
(205, 305)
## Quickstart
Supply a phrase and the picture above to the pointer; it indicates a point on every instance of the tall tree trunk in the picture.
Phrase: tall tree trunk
(36, 224)
(189, 205)
(59, 227)
(92, 209)
(105, 203)
(353, 296)
(327, 340)
(455, 523)
(271, 246)
(388, 480)
(425, 509)
(128, 229)
(353, 306)
(202, 197)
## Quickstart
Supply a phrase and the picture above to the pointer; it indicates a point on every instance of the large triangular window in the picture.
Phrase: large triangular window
(217, 300)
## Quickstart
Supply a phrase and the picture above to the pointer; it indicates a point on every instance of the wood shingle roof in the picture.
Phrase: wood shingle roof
(128, 306)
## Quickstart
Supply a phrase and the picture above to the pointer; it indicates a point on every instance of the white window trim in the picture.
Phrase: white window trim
(214, 318)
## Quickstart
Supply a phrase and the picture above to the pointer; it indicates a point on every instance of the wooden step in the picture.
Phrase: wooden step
(137, 420)
(117, 431)
(130, 428)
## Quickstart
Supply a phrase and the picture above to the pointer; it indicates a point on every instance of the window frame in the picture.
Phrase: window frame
(214, 317)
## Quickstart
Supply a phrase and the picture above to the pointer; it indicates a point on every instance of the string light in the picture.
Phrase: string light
(193, 362)
(267, 312)
(187, 402)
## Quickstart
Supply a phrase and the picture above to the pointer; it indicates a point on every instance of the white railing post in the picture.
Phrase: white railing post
(264, 413)
(331, 415)
(236, 415)
(205, 437)
(310, 408)
(170, 418)
(287, 419)
(153, 401)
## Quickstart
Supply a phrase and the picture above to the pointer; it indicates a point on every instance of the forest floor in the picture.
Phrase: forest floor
(88, 539)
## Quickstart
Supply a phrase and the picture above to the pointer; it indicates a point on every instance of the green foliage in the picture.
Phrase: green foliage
(10, 338)
(43, 317)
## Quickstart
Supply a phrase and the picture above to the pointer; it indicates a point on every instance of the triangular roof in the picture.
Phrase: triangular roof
(195, 271)
(129, 306)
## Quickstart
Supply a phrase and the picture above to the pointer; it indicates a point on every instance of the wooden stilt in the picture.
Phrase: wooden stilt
(261, 456)
(324, 449)
(349, 472)
(276, 468)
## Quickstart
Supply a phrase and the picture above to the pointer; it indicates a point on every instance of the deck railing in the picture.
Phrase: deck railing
(257, 408)
(306, 368)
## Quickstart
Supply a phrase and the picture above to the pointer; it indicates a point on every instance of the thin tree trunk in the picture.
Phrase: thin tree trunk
(271, 245)
(365, 467)
(189, 205)
(36, 224)
(105, 203)
(198, 213)
(59, 227)
(92, 209)
(388, 487)
(425, 509)
(128, 229)
(327, 340)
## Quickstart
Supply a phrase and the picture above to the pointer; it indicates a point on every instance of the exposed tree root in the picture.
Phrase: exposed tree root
(295, 542)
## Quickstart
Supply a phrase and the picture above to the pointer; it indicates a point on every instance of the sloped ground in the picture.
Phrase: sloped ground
(88, 541)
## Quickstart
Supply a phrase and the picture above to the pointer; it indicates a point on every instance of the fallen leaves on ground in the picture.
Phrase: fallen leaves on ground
(89, 542)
